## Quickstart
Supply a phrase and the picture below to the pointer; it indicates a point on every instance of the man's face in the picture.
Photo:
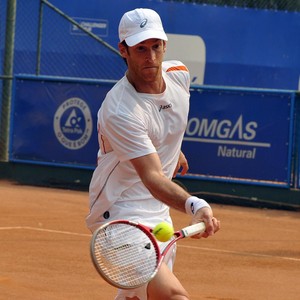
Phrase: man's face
(144, 59)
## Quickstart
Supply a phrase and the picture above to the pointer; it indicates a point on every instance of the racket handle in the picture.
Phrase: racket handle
(193, 229)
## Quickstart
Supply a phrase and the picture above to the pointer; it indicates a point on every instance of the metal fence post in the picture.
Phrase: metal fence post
(7, 78)
(39, 40)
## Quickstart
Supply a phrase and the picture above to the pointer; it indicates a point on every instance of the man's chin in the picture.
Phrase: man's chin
(150, 72)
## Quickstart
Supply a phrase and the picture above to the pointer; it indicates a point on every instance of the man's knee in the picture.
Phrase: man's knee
(165, 285)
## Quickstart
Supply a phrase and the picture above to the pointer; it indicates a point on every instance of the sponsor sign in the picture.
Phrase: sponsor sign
(232, 134)
(73, 123)
(54, 120)
(98, 27)
(191, 50)
(236, 134)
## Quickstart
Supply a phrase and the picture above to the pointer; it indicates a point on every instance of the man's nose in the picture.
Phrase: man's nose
(151, 55)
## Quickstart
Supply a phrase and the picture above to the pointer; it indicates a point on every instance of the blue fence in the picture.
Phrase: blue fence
(241, 47)
(237, 134)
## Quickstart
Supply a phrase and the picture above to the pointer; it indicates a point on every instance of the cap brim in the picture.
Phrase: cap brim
(145, 35)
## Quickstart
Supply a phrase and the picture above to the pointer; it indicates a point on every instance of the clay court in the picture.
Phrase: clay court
(44, 251)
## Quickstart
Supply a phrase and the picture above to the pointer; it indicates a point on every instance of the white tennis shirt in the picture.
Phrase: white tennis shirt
(131, 125)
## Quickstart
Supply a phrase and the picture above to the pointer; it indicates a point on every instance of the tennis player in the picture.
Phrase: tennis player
(141, 124)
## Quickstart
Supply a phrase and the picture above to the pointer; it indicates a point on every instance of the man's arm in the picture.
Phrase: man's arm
(162, 188)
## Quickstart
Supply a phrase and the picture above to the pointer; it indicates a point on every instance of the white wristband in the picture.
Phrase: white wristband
(193, 204)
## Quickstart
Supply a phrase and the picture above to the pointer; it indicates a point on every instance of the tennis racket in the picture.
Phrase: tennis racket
(126, 254)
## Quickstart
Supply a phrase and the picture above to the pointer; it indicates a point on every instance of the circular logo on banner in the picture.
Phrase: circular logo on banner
(73, 123)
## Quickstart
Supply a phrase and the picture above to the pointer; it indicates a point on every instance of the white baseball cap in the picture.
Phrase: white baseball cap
(139, 25)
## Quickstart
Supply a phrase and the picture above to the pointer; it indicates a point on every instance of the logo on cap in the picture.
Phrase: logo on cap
(144, 22)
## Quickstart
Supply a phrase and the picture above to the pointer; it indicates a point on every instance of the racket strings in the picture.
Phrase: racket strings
(125, 255)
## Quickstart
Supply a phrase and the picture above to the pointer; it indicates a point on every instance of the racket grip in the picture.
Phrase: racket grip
(193, 229)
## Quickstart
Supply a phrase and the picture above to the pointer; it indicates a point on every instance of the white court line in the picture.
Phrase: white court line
(242, 253)
(180, 246)
(45, 230)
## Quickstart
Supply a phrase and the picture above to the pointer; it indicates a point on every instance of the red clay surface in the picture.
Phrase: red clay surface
(44, 251)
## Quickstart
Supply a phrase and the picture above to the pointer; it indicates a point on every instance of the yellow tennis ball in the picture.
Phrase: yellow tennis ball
(163, 231)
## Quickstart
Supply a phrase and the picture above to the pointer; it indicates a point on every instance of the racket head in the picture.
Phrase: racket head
(125, 253)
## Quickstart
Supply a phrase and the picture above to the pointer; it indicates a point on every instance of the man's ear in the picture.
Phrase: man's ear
(164, 46)
(123, 50)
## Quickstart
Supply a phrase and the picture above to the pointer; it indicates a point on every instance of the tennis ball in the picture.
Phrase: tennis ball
(163, 231)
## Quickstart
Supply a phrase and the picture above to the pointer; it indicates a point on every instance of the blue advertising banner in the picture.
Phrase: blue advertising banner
(236, 134)
(232, 134)
(54, 121)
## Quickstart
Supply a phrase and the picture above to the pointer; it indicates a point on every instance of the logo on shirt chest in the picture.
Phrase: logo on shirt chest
(165, 106)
